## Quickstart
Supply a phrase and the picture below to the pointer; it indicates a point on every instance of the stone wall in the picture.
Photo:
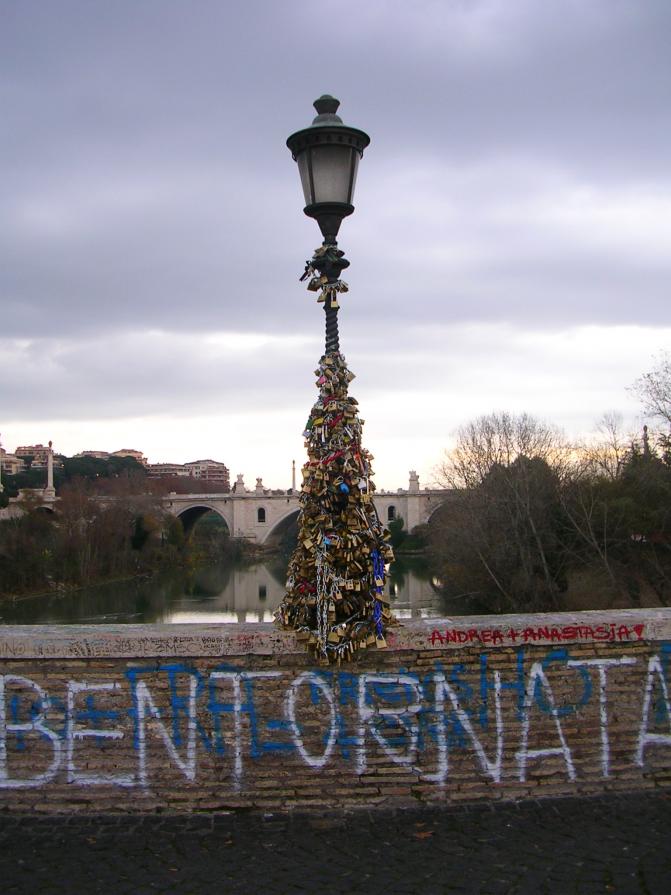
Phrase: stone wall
(207, 717)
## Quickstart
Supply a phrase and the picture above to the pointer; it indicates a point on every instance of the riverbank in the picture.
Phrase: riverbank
(38, 558)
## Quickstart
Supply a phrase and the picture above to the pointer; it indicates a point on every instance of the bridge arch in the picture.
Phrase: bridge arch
(281, 527)
(433, 510)
(189, 516)
(45, 510)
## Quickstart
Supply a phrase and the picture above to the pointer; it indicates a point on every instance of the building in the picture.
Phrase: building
(38, 452)
(203, 470)
(10, 463)
(210, 471)
(105, 455)
(161, 470)
(130, 452)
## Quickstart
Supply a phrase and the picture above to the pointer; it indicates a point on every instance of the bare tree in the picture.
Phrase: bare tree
(500, 534)
(498, 439)
(654, 390)
(615, 505)
(606, 454)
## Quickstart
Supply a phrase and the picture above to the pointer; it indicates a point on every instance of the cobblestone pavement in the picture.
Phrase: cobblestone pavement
(618, 844)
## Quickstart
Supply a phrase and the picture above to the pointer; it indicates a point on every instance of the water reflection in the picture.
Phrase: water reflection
(226, 594)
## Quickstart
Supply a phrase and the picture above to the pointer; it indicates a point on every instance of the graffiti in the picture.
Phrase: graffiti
(645, 737)
(609, 633)
(125, 733)
(237, 678)
(307, 677)
(404, 713)
(538, 679)
(74, 734)
(35, 724)
(602, 665)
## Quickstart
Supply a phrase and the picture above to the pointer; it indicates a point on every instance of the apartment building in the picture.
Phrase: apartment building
(38, 452)
(124, 452)
(161, 470)
(10, 463)
(210, 470)
(204, 470)
(130, 452)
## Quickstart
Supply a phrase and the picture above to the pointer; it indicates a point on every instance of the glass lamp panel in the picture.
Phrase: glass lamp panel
(331, 167)
(354, 169)
(303, 162)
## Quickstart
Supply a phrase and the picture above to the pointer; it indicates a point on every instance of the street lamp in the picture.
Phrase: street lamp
(327, 155)
(335, 596)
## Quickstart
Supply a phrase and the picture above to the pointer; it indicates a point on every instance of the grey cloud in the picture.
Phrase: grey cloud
(133, 258)
(146, 182)
(148, 374)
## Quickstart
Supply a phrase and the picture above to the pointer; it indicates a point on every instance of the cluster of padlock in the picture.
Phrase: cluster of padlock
(335, 598)
(328, 291)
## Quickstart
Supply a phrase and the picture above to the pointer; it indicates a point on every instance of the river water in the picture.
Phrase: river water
(225, 593)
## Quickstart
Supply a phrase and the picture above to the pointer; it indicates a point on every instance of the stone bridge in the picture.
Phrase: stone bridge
(263, 516)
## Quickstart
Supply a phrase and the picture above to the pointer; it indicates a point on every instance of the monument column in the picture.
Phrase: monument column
(50, 491)
(413, 516)
(238, 508)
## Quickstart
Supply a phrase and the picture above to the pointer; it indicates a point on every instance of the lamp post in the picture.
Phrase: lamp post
(327, 154)
(335, 580)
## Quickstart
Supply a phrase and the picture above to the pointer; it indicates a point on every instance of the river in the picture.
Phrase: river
(225, 593)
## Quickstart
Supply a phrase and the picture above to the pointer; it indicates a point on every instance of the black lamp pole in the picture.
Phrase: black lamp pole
(327, 154)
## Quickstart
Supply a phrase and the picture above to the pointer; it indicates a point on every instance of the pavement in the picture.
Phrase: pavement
(608, 844)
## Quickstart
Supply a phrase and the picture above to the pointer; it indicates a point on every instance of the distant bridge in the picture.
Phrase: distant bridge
(263, 516)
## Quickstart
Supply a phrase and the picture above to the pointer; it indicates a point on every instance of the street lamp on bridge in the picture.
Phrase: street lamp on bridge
(327, 154)
(335, 581)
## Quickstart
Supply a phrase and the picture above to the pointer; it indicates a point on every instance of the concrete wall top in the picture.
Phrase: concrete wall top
(434, 634)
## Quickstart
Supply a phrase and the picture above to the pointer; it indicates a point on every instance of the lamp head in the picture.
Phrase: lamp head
(327, 154)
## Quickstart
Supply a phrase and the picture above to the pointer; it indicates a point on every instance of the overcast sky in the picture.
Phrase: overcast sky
(510, 249)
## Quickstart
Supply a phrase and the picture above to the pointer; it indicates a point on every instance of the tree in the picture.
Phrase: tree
(605, 455)
(498, 439)
(27, 478)
(654, 390)
(397, 532)
(499, 536)
(174, 532)
(616, 505)
(103, 473)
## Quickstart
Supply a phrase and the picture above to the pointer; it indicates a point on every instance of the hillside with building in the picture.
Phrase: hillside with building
(27, 467)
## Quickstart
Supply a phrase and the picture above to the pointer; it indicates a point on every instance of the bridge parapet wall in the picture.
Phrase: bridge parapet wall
(241, 510)
(210, 717)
